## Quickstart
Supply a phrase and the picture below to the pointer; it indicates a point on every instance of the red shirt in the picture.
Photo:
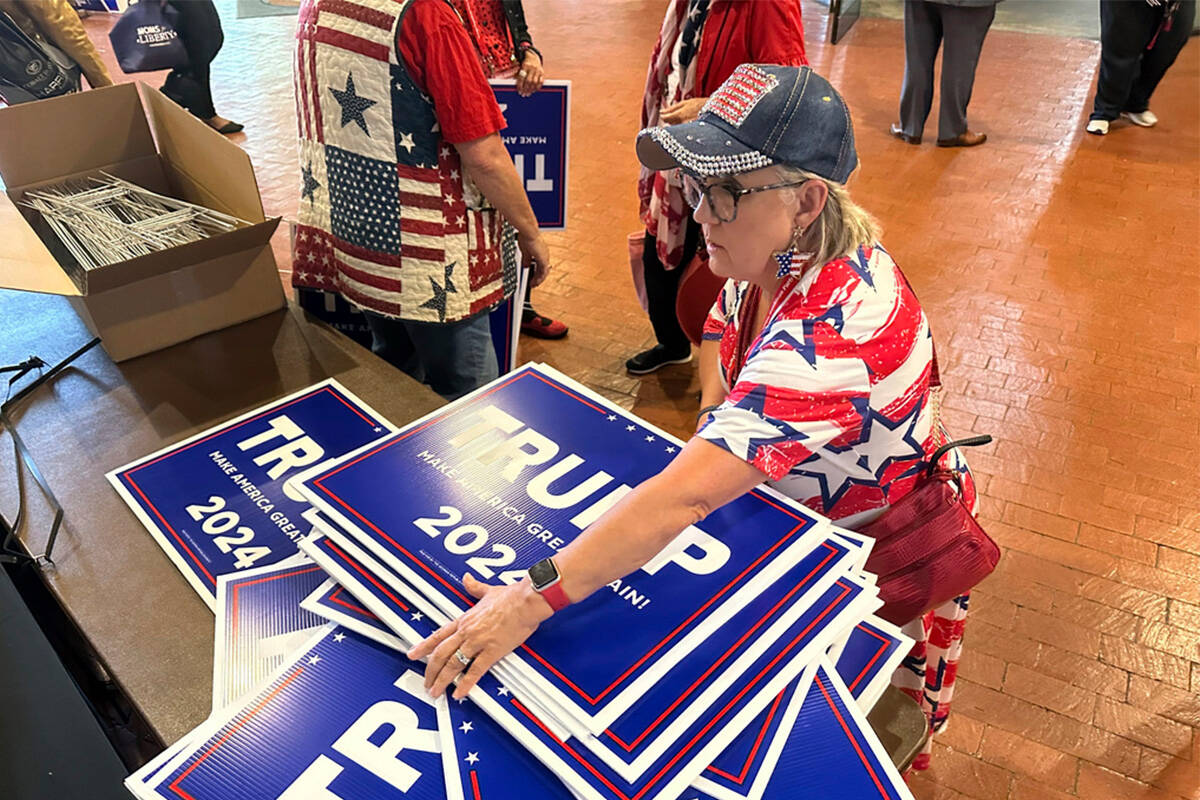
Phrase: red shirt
(443, 62)
(740, 31)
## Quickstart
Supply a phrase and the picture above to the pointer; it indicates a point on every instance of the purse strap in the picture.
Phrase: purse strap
(970, 441)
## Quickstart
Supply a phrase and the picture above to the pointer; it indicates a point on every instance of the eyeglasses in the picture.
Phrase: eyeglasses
(723, 197)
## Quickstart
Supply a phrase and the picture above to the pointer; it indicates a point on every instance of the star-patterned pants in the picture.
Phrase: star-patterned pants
(452, 358)
(928, 673)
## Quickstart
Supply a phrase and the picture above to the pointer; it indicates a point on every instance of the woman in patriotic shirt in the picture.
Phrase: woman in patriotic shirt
(815, 369)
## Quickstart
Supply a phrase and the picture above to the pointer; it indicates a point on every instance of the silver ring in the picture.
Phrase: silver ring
(522, 74)
(463, 658)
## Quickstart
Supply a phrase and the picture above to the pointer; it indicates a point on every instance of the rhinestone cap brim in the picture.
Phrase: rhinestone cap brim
(699, 148)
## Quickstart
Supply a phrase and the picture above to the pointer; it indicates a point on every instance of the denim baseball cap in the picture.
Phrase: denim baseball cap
(762, 114)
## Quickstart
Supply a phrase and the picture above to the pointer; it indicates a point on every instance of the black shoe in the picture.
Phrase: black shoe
(655, 359)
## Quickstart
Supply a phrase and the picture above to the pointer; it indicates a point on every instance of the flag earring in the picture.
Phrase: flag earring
(787, 258)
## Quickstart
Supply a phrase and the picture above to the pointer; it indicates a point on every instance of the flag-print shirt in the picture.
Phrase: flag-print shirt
(833, 400)
(387, 217)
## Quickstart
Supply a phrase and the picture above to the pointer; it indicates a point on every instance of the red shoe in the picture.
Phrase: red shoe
(543, 327)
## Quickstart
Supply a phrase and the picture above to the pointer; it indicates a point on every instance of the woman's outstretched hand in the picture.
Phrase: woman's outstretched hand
(499, 623)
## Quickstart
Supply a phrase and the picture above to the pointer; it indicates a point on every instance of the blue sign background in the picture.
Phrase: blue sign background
(638, 727)
(678, 760)
(538, 133)
(162, 487)
(588, 766)
(363, 490)
(260, 607)
(811, 625)
(739, 765)
(867, 650)
(262, 749)
(493, 765)
(828, 755)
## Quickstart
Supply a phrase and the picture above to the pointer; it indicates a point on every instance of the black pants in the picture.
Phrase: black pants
(1129, 73)
(959, 31)
(662, 286)
(200, 29)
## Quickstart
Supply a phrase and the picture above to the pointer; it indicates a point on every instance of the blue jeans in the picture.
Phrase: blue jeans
(452, 358)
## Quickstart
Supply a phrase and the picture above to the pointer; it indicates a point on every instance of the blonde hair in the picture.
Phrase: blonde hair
(842, 226)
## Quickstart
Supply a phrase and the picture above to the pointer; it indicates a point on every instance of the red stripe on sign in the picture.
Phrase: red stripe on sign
(239, 586)
(849, 735)
(129, 479)
(878, 653)
(762, 734)
(734, 648)
(330, 545)
(355, 44)
(217, 744)
(669, 637)
(369, 16)
(337, 599)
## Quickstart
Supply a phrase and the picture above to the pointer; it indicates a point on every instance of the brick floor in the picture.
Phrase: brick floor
(1055, 268)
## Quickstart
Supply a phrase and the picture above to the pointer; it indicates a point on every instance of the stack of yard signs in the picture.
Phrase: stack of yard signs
(738, 664)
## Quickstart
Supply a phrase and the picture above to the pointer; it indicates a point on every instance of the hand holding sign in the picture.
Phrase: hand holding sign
(499, 623)
(535, 255)
(531, 76)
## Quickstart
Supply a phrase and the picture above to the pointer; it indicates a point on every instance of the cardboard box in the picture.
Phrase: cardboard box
(134, 132)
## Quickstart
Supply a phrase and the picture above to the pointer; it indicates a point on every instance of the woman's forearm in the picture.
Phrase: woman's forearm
(702, 478)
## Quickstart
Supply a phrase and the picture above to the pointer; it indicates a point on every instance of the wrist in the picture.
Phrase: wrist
(536, 607)
(546, 580)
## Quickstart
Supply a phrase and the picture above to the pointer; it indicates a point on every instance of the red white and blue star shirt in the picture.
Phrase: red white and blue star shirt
(833, 400)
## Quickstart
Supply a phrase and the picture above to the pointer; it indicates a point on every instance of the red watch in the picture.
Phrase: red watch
(547, 581)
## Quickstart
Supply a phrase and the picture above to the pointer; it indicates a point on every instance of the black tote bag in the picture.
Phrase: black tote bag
(146, 38)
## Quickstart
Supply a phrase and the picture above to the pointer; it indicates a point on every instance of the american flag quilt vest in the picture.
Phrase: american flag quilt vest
(387, 217)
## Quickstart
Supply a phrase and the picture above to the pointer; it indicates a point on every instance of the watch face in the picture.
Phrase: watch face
(543, 573)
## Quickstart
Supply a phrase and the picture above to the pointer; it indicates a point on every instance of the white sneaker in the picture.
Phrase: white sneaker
(1145, 119)
(1097, 126)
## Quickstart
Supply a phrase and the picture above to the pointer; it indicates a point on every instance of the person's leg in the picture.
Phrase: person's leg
(1159, 58)
(537, 325)
(929, 671)
(661, 298)
(391, 342)
(964, 29)
(922, 36)
(456, 357)
(662, 287)
(1125, 30)
(202, 36)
